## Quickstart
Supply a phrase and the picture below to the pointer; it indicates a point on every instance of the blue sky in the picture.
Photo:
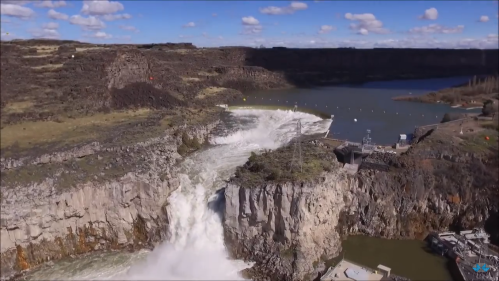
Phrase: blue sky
(361, 24)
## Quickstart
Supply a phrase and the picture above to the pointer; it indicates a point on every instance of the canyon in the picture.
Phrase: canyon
(90, 147)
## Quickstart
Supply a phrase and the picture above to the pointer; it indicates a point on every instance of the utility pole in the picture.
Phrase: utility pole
(297, 157)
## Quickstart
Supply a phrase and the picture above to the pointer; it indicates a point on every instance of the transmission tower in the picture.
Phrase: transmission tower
(297, 158)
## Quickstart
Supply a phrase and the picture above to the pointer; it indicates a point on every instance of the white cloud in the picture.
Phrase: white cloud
(251, 25)
(252, 29)
(50, 25)
(101, 35)
(117, 17)
(324, 42)
(326, 29)
(250, 21)
(50, 4)
(429, 14)
(366, 23)
(101, 7)
(484, 19)
(90, 23)
(45, 33)
(436, 29)
(189, 24)
(17, 11)
(286, 10)
(53, 14)
(129, 28)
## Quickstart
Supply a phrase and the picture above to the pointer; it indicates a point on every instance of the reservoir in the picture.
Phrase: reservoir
(370, 103)
(406, 258)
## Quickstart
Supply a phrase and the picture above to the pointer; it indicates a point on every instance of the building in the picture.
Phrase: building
(346, 270)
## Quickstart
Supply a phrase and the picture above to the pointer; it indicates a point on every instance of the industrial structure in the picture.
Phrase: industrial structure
(467, 249)
(347, 270)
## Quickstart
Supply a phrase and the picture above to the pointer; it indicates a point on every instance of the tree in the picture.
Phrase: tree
(489, 108)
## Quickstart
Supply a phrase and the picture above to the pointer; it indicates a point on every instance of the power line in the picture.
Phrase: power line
(297, 157)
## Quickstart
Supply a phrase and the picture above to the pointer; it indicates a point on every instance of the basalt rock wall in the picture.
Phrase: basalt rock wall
(289, 228)
(43, 221)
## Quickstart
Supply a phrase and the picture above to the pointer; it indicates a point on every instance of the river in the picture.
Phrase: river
(407, 258)
(370, 103)
(196, 248)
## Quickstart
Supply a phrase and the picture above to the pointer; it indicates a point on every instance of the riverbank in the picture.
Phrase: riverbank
(469, 95)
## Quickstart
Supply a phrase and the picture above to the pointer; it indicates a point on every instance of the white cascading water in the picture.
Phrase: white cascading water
(196, 250)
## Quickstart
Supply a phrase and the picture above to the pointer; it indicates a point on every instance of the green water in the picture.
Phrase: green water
(406, 258)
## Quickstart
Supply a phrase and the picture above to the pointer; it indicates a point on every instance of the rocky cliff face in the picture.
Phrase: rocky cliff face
(289, 228)
(49, 219)
(286, 227)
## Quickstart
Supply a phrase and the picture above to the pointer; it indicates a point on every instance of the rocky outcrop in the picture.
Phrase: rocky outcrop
(45, 220)
(286, 228)
(289, 228)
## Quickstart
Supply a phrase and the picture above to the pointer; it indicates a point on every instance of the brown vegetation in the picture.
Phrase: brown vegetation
(277, 165)
(472, 94)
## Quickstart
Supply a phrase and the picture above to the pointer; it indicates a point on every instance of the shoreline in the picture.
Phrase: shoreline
(347, 81)
(415, 100)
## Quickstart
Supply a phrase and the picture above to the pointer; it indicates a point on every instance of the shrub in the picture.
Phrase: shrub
(195, 143)
(252, 158)
(489, 108)
(275, 174)
(182, 149)
(185, 139)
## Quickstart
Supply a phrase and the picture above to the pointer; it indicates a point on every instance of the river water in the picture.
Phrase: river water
(196, 249)
(370, 103)
(407, 258)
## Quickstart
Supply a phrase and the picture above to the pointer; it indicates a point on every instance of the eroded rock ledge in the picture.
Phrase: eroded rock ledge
(289, 225)
(121, 203)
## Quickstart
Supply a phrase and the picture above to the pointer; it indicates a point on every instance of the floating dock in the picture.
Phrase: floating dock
(346, 270)
(467, 249)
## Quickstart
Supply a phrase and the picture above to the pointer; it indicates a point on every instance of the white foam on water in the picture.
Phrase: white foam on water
(196, 249)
